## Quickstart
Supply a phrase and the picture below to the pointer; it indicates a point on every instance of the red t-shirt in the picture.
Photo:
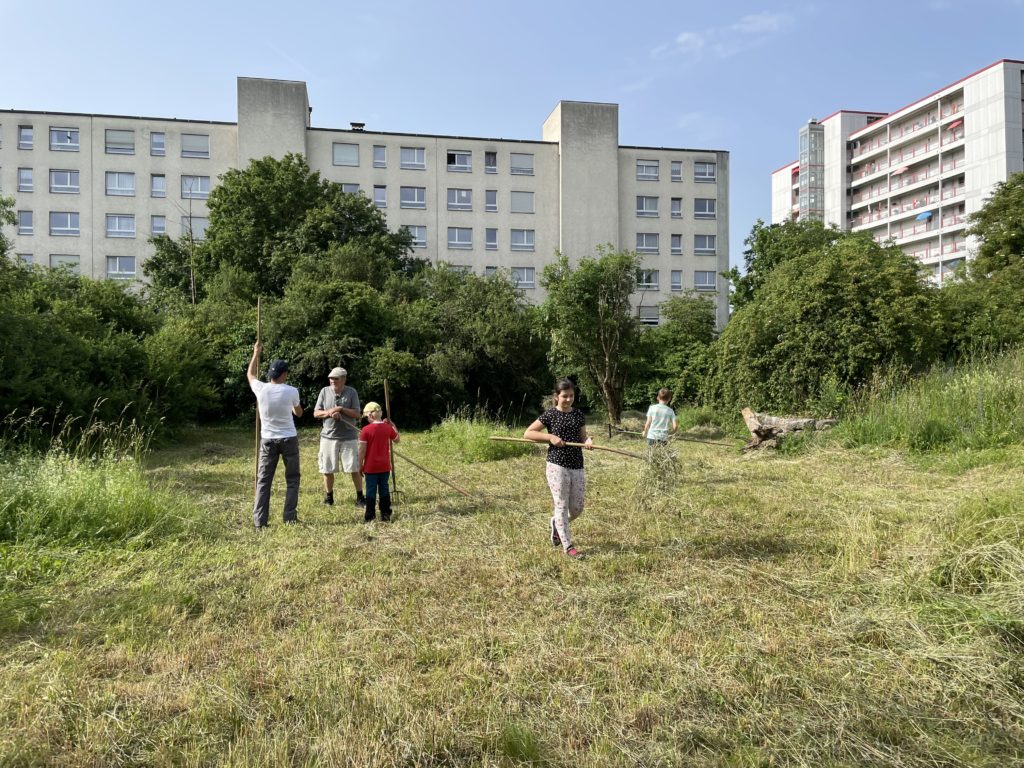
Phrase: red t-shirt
(378, 437)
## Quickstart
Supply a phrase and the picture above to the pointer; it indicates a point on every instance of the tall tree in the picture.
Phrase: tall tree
(593, 331)
(999, 227)
(6, 217)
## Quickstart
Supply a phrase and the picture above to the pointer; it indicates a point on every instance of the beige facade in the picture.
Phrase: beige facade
(913, 176)
(102, 185)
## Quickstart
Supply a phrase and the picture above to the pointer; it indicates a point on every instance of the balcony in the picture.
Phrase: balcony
(909, 128)
(908, 179)
(874, 144)
(918, 151)
(870, 169)
(915, 229)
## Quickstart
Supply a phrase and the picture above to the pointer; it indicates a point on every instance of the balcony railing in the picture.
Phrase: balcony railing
(920, 149)
(916, 229)
(906, 181)
(919, 124)
(957, 247)
(951, 192)
(952, 137)
(952, 109)
(871, 146)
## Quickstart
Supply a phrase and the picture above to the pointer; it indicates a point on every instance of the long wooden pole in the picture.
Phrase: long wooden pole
(437, 477)
(256, 474)
(574, 445)
(394, 475)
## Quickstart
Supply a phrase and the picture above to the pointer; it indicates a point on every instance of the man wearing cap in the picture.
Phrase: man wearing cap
(277, 402)
(338, 406)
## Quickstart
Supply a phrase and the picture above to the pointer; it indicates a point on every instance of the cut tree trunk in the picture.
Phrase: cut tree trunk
(767, 431)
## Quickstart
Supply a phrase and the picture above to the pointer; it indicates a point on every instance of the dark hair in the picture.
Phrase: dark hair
(665, 394)
(563, 384)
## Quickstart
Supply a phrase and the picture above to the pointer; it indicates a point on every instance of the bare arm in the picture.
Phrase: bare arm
(397, 436)
(297, 410)
(587, 442)
(252, 373)
(534, 432)
(647, 425)
(675, 425)
(362, 454)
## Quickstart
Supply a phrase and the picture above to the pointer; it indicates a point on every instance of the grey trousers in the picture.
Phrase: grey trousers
(270, 450)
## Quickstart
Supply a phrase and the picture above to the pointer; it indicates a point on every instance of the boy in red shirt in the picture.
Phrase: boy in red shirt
(375, 461)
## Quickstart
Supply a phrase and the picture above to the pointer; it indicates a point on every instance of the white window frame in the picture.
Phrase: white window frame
(705, 208)
(648, 279)
(26, 180)
(115, 141)
(199, 190)
(380, 195)
(676, 170)
(415, 230)
(521, 202)
(120, 224)
(491, 200)
(460, 160)
(158, 190)
(491, 239)
(67, 145)
(350, 188)
(700, 282)
(647, 206)
(119, 273)
(490, 270)
(676, 280)
(460, 238)
(62, 260)
(26, 137)
(188, 227)
(521, 163)
(676, 247)
(648, 242)
(524, 277)
(113, 183)
(677, 208)
(493, 166)
(71, 226)
(705, 172)
(345, 154)
(380, 156)
(705, 245)
(413, 158)
(648, 316)
(523, 239)
(158, 147)
(191, 145)
(25, 223)
(460, 199)
(26, 258)
(648, 170)
(153, 220)
(419, 196)
(65, 186)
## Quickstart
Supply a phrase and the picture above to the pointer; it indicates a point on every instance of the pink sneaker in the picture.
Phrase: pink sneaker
(574, 553)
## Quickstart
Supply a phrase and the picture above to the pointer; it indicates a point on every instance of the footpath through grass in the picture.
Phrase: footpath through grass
(829, 607)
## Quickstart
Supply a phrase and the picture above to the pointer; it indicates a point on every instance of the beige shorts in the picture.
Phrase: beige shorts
(338, 456)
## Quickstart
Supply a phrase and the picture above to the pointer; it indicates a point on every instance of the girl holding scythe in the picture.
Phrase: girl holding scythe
(564, 467)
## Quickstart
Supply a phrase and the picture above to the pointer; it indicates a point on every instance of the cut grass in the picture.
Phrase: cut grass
(832, 607)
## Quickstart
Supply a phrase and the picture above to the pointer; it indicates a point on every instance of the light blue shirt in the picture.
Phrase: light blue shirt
(661, 417)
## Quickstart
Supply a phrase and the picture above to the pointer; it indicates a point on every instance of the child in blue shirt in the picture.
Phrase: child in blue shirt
(661, 420)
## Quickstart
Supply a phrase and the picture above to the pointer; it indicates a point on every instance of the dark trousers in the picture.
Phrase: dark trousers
(378, 481)
(270, 451)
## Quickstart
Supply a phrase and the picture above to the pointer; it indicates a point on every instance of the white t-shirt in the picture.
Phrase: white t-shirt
(661, 417)
(275, 402)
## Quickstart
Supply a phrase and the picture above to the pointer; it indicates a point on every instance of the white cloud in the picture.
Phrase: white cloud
(762, 23)
(689, 42)
(725, 41)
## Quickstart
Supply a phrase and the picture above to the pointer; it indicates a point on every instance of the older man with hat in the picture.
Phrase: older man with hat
(278, 403)
(338, 406)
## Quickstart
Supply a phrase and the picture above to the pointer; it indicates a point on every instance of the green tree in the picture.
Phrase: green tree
(594, 334)
(999, 227)
(768, 246)
(6, 217)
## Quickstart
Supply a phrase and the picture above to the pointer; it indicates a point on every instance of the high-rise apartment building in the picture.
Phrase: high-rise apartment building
(91, 189)
(914, 175)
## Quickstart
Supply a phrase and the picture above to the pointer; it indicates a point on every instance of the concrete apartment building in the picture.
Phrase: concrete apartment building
(914, 175)
(91, 189)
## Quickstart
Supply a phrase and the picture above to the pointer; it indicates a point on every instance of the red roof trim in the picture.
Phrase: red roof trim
(787, 166)
(938, 91)
(852, 112)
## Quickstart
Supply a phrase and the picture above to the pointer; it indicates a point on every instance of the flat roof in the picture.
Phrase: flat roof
(113, 117)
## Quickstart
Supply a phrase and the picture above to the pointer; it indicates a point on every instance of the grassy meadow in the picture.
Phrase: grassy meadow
(841, 604)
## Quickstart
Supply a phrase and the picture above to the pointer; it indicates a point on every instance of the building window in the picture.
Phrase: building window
(26, 258)
(194, 226)
(647, 315)
(419, 235)
(412, 197)
(521, 164)
(677, 207)
(64, 182)
(704, 245)
(677, 279)
(345, 154)
(677, 245)
(646, 242)
(380, 196)
(120, 183)
(522, 202)
(158, 225)
(490, 162)
(380, 156)
(646, 206)
(25, 183)
(704, 280)
(158, 144)
(647, 280)
(195, 187)
(65, 261)
(491, 239)
(460, 237)
(524, 277)
(195, 145)
(120, 142)
(704, 208)
(64, 224)
(491, 200)
(158, 185)
(460, 199)
(704, 171)
(350, 189)
(24, 137)
(677, 170)
(460, 161)
(522, 239)
(120, 225)
(120, 267)
(414, 158)
(64, 139)
(646, 170)
(24, 222)
(490, 270)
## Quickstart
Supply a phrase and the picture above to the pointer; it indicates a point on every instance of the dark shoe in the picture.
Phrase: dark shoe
(360, 501)
(385, 517)
(292, 521)
(369, 517)
(556, 540)
(329, 499)
(574, 553)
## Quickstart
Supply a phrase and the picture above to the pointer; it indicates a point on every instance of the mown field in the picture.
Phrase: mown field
(827, 606)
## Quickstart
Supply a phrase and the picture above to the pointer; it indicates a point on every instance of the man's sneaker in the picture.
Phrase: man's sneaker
(329, 499)
(556, 540)
(385, 517)
(360, 501)
(574, 553)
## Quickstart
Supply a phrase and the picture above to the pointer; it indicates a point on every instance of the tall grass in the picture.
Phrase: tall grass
(465, 435)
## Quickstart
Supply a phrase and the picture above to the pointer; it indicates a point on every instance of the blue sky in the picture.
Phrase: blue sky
(738, 76)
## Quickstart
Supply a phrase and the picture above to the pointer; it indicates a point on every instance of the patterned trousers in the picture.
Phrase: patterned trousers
(567, 489)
